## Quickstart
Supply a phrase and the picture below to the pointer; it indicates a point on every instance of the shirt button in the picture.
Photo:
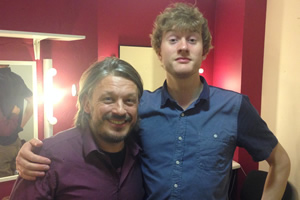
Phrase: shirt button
(177, 162)
(182, 115)
(175, 185)
(215, 135)
(179, 138)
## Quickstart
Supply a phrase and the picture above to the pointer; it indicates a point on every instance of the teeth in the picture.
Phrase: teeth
(117, 122)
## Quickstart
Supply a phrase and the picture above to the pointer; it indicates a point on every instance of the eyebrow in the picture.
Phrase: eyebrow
(135, 94)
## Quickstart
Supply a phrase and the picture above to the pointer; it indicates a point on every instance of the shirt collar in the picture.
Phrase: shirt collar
(90, 146)
(165, 96)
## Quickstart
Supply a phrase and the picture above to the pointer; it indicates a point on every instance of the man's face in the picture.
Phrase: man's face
(113, 109)
(181, 53)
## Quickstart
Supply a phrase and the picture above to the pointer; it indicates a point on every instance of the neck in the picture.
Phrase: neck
(110, 147)
(104, 144)
(184, 91)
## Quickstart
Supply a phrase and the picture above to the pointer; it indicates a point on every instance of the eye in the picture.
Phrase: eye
(192, 40)
(130, 101)
(107, 100)
(172, 40)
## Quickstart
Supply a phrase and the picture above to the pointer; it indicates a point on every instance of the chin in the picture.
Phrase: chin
(116, 135)
(116, 139)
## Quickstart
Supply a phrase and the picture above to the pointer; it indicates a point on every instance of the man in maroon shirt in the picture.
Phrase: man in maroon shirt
(97, 159)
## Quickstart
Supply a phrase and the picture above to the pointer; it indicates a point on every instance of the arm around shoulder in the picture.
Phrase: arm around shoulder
(29, 164)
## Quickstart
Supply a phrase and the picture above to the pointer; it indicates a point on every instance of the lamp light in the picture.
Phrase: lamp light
(201, 71)
(49, 119)
(74, 90)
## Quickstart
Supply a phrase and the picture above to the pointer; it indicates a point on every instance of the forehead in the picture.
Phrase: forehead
(180, 32)
(116, 84)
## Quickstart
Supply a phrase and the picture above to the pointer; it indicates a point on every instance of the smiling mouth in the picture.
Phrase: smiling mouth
(117, 122)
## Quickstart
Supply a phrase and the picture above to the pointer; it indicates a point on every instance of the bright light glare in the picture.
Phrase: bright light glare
(74, 90)
(56, 95)
(52, 71)
(201, 71)
(52, 120)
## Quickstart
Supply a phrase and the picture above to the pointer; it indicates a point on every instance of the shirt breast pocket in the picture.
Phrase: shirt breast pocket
(215, 151)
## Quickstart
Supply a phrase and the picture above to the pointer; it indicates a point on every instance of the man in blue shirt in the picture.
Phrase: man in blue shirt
(188, 129)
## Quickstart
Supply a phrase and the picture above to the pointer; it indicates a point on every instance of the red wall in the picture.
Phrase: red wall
(235, 61)
(130, 23)
(228, 42)
(69, 58)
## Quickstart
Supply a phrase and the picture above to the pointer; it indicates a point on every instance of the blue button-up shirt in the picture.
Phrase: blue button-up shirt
(187, 154)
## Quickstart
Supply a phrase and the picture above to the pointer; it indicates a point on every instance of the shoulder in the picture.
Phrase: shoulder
(224, 94)
(220, 98)
(62, 141)
(150, 100)
(150, 95)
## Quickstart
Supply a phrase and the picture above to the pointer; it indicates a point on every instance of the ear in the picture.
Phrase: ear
(86, 104)
(159, 56)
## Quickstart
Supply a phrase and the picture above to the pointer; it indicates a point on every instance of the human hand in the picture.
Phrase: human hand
(16, 110)
(30, 165)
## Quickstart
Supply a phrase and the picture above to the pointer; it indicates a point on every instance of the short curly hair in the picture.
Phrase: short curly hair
(181, 17)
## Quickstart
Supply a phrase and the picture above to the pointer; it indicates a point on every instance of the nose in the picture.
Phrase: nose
(119, 108)
(183, 45)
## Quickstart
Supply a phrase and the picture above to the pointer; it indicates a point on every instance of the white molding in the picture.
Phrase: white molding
(41, 36)
(8, 178)
(37, 37)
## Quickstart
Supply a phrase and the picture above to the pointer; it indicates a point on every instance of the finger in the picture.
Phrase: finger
(34, 142)
(26, 154)
(30, 171)
(25, 165)
(32, 161)
(31, 175)
(35, 160)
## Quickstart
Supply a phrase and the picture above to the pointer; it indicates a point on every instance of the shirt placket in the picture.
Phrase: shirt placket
(178, 157)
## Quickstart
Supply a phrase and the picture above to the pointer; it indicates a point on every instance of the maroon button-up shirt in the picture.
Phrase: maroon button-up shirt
(79, 170)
